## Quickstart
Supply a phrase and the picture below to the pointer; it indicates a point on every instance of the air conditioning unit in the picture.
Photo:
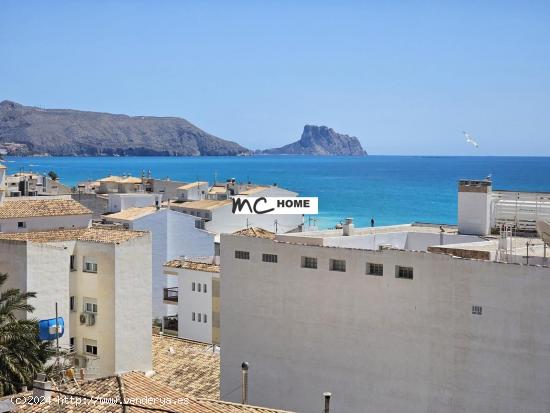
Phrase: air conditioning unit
(83, 318)
(385, 247)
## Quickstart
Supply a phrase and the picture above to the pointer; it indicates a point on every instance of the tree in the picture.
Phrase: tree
(22, 353)
(53, 175)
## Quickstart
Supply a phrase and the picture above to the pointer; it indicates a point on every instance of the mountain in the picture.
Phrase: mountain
(26, 130)
(320, 140)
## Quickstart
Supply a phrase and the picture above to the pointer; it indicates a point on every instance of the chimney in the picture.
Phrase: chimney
(347, 228)
(42, 389)
(244, 368)
(327, 401)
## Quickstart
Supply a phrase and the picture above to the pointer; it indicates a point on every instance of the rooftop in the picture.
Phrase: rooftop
(188, 366)
(253, 189)
(93, 234)
(192, 185)
(204, 204)
(131, 213)
(255, 232)
(136, 388)
(217, 189)
(193, 265)
(12, 208)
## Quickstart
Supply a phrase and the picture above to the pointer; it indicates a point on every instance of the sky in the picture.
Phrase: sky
(405, 77)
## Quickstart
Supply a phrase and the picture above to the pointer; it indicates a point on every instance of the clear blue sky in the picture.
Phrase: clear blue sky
(405, 77)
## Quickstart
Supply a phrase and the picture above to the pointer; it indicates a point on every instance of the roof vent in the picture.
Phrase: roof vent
(347, 228)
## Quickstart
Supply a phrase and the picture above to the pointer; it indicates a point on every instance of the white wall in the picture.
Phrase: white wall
(384, 344)
(45, 223)
(190, 301)
(474, 213)
(120, 202)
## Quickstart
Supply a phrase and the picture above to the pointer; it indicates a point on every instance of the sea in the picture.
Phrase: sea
(388, 189)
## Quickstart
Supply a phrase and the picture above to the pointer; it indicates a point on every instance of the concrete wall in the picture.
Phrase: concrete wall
(45, 223)
(120, 202)
(474, 209)
(384, 344)
(97, 204)
(190, 301)
(132, 317)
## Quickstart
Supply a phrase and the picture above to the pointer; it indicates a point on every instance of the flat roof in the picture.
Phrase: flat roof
(192, 185)
(93, 234)
(204, 204)
(131, 214)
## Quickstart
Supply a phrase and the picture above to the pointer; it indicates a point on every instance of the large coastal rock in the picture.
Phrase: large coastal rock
(320, 140)
(26, 130)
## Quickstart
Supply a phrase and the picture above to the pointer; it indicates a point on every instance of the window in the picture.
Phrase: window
(404, 272)
(199, 317)
(193, 287)
(477, 310)
(90, 265)
(91, 349)
(72, 303)
(192, 316)
(21, 224)
(242, 255)
(338, 265)
(204, 288)
(309, 262)
(375, 269)
(72, 265)
(269, 258)
(204, 319)
(71, 344)
(90, 306)
(199, 287)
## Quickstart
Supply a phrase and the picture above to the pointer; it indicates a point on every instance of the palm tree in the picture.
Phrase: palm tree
(22, 353)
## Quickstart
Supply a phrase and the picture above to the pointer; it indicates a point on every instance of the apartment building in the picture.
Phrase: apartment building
(96, 276)
(42, 213)
(414, 318)
(197, 296)
(173, 235)
(34, 184)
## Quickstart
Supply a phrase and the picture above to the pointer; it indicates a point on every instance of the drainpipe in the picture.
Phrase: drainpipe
(327, 401)
(244, 368)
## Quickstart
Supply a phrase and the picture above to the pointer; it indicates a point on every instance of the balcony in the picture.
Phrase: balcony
(171, 294)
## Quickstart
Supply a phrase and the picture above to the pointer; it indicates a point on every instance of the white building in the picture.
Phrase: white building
(33, 184)
(173, 235)
(40, 214)
(101, 280)
(120, 201)
(197, 296)
(404, 318)
(193, 191)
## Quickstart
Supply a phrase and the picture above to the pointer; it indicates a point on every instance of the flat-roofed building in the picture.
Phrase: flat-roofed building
(101, 281)
(414, 318)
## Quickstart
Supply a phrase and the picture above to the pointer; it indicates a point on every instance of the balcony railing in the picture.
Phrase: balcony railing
(171, 294)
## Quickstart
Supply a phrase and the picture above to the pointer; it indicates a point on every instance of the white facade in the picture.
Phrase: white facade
(119, 202)
(463, 335)
(115, 335)
(173, 235)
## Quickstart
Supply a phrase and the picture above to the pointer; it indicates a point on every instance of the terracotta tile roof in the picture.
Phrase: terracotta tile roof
(103, 395)
(255, 232)
(94, 234)
(204, 204)
(217, 190)
(130, 180)
(193, 265)
(192, 185)
(110, 178)
(131, 213)
(28, 208)
(191, 367)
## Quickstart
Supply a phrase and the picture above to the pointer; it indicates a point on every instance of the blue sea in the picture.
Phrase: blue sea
(390, 189)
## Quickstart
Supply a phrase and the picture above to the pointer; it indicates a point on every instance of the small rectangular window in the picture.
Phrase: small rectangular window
(269, 258)
(199, 287)
(192, 286)
(338, 265)
(21, 224)
(242, 255)
(375, 269)
(477, 310)
(72, 303)
(204, 288)
(90, 307)
(90, 349)
(71, 344)
(72, 265)
(199, 317)
(309, 262)
(404, 272)
(204, 319)
(90, 265)
(192, 316)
